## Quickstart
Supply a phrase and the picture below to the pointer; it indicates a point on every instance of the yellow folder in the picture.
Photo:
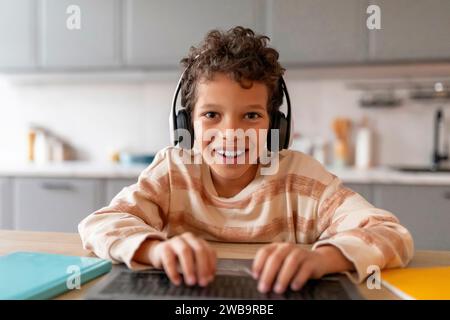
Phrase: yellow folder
(418, 283)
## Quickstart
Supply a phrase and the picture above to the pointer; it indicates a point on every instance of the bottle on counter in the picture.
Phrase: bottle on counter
(31, 142)
(341, 147)
(319, 150)
(42, 150)
(57, 152)
(363, 145)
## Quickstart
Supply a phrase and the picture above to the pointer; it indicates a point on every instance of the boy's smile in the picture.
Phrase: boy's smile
(223, 116)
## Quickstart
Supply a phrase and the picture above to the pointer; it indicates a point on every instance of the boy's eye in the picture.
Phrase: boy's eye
(252, 115)
(210, 115)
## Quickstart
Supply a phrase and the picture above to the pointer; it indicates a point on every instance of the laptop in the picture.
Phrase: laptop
(232, 281)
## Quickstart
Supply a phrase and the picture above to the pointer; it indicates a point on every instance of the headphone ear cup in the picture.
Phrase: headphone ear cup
(275, 122)
(184, 122)
(279, 122)
(283, 126)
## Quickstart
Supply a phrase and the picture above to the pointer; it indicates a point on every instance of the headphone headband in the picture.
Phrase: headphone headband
(173, 123)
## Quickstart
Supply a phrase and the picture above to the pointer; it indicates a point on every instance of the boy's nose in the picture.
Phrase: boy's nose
(230, 123)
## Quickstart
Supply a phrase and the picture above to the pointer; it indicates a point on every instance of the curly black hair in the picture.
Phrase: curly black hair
(239, 53)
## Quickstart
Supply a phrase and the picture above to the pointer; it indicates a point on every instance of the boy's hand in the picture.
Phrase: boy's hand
(278, 265)
(195, 256)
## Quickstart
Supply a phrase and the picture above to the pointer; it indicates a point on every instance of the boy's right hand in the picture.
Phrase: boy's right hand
(196, 258)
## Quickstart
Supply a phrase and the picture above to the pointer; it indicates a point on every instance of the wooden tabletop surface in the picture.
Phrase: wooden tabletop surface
(70, 244)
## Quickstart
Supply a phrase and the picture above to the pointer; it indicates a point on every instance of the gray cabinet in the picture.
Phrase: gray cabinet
(159, 33)
(97, 42)
(411, 30)
(318, 31)
(156, 34)
(18, 34)
(424, 210)
(6, 210)
(365, 190)
(55, 204)
(114, 186)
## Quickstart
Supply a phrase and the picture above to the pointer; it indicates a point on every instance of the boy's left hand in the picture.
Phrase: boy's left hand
(278, 265)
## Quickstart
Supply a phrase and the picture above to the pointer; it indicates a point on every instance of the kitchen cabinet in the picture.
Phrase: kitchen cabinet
(142, 34)
(114, 186)
(411, 30)
(96, 44)
(365, 190)
(159, 33)
(318, 31)
(54, 204)
(424, 210)
(6, 210)
(18, 34)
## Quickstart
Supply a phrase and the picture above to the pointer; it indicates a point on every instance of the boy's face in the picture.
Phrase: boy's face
(222, 104)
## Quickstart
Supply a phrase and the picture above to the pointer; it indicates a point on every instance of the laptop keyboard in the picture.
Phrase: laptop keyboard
(156, 284)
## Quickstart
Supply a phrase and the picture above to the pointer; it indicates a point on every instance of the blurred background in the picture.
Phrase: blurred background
(86, 89)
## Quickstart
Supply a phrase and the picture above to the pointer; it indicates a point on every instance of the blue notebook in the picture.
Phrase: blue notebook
(33, 275)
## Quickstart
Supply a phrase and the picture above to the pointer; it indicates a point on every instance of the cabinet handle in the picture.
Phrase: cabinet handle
(57, 186)
(447, 195)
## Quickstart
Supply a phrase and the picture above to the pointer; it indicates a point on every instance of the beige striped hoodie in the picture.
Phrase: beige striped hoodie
(301, 203)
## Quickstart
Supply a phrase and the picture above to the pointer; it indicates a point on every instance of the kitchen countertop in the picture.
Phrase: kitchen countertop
(80, 169)
(72, 169)
(386, 175)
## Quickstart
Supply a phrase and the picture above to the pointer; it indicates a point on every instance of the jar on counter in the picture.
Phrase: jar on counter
(42, 150)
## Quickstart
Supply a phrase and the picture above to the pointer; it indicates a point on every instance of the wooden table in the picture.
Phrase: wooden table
(70, 244)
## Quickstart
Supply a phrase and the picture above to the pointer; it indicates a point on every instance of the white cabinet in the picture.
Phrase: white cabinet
(55, 204)
(159, 33)
(18, 27)
(411, 30)
(6, 210)
(95, 45)
(318, 31)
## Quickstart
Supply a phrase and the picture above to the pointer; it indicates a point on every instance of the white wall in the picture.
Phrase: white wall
(98, 117)
(95, 118)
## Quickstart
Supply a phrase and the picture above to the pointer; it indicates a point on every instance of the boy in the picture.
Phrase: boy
(164, 219)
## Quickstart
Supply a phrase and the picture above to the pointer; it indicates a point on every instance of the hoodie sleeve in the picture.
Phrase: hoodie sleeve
(365, 235)
(137, 213)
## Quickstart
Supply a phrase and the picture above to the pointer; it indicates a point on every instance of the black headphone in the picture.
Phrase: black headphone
(182, 120)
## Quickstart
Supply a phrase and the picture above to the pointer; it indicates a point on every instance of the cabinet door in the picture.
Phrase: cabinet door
(6, 211)
(365, 190)
(54, 204)
(95, 44)
(318, 31)
(17, 34)
(159, 33)
(411, 30)
(423, 210)
(114, 186)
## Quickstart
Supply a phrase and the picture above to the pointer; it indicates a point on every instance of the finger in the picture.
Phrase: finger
(201, 258)
(303, 274)
(289, 269)
(212, 259)
(260, 259)
(272, 266)
(186, 259)
(169, 262)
